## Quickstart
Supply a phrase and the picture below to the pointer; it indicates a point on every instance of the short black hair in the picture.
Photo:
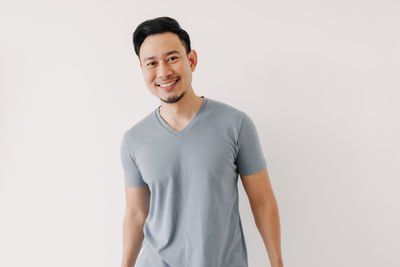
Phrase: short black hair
(159, 25)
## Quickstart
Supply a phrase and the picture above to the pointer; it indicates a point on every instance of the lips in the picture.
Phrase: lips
(168, 85)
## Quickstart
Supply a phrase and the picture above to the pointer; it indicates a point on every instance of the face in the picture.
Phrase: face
(166, 68)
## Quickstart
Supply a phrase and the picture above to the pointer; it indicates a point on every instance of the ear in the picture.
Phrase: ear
(192, 56)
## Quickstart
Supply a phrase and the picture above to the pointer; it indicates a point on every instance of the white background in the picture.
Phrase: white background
(320, 79)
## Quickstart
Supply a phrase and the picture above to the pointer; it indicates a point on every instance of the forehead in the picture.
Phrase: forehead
(158, 44)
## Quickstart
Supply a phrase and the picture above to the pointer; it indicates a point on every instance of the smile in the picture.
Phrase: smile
(165, 85)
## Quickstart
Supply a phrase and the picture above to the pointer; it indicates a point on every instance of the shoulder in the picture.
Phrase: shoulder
(140, 129)
(224, 108)
(226, 112)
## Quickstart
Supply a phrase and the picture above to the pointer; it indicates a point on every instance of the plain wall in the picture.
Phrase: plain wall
(320, 79)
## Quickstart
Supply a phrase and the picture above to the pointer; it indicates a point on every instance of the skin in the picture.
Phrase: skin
(163, 58)
(265, 211)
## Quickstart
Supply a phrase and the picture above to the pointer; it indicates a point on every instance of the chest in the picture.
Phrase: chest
(202, 158)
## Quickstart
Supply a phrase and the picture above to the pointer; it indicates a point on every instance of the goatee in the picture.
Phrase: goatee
(173, 99)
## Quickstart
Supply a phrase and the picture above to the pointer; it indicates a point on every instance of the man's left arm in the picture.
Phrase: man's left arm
(265, 211)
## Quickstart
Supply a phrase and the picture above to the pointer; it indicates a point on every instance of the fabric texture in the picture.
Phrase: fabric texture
(192, 175)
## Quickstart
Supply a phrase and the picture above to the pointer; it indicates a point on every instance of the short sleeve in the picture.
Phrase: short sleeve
(132, 175)
(250, 158)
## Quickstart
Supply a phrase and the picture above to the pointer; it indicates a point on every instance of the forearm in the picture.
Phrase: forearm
(268, 224)
(132, 240)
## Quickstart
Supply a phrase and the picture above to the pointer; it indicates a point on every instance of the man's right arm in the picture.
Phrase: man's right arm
(137, 208)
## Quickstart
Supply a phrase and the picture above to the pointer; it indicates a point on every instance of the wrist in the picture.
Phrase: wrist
(278, 263)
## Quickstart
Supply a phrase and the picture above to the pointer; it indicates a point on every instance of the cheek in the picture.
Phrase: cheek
(184, 71)
(148, 76)
(188, 73)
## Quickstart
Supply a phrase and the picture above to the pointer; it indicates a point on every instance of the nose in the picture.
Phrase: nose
(163, 70)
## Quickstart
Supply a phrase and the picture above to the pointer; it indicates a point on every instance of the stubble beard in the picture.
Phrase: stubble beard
(173, 99)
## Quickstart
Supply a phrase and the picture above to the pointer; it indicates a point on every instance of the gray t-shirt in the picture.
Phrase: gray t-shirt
(192, 175)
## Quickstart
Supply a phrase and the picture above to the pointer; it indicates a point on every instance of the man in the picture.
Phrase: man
(181, 163)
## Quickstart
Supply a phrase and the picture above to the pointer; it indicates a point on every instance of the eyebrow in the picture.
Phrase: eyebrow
(166, 54)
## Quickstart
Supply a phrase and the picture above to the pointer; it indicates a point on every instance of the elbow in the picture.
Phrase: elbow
(270, 208)
(138, 218)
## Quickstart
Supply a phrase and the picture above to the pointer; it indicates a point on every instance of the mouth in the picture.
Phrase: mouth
(168, 85)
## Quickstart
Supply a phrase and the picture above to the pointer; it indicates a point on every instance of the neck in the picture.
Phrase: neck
(183, 110)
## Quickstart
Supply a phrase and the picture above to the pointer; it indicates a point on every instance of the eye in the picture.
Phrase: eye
(172, 58)
(150, 64)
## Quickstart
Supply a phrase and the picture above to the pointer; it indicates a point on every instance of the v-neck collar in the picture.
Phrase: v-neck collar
(188, 126)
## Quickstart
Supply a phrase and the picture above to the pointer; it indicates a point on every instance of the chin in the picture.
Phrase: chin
(173, 98)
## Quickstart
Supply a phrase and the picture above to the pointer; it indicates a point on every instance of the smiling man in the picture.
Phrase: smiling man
(181, 164)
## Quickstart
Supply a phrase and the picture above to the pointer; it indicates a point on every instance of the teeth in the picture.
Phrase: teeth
(167, 84)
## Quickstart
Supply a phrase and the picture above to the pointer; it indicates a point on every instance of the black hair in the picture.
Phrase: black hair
(159, 25)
